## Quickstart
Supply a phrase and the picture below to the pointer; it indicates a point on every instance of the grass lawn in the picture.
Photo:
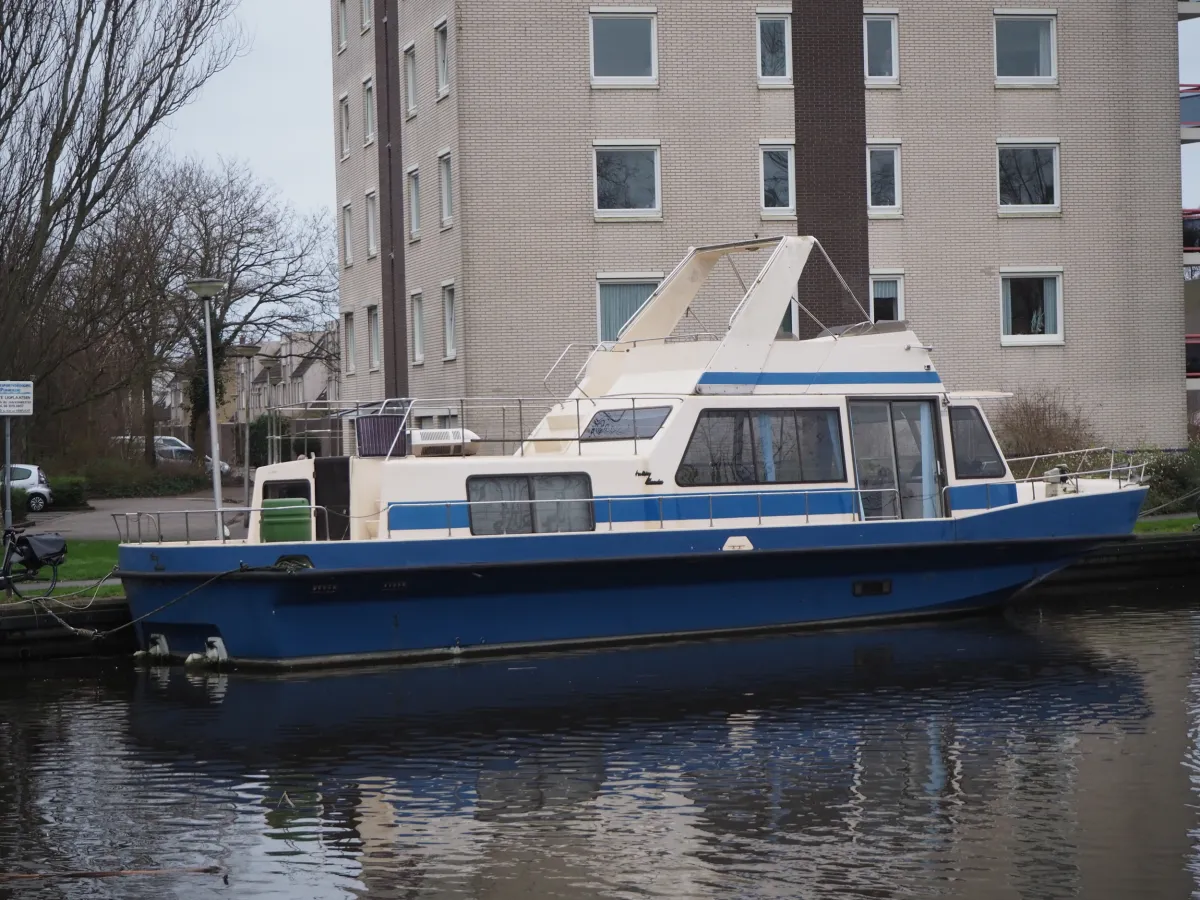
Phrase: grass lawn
(1166, 526)
(86, 561)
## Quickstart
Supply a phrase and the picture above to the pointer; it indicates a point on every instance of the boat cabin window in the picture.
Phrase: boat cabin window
(975, 453)
(297, 489)
(625, 424)
(530, 504)
(764, 446)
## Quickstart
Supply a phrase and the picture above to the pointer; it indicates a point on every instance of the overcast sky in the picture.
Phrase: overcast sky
(273, 107)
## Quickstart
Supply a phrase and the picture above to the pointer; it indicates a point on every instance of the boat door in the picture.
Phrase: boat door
(897, 458)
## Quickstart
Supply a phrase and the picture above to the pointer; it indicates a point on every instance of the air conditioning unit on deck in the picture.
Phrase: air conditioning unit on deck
(444, 442)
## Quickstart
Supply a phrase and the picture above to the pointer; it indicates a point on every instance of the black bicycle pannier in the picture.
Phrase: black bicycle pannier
(37, 550)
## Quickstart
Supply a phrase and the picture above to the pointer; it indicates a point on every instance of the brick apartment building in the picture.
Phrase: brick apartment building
(516, 177)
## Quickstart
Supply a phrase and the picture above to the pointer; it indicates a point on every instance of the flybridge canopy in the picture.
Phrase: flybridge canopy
(749, 358)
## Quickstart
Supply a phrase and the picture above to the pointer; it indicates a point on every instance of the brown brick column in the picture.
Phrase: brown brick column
(831, 140)
(389, 117)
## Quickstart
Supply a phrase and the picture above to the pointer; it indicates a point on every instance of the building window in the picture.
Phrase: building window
(449, 323)
(1032, 308)
(372, 203)
(410, 80)
(778, 170)
(414, 203)
(351, 354)
(1028, 176)
(368, 13)
(881, 50)
(530, 504)
(763, 446)
(446, 189)
(441, 46)
(883, 179)
(341, 24)
(344, 119)
(774, 50)
(368, 110)
(418, 328)
(619, 301)
(347, 235)
(373, 343)
(887, 298)
(627, 181)
(624, 50)
(1025, 49)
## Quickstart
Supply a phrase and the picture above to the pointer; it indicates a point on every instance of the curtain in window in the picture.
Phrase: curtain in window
(619, 302)
(1050, 304)
(1007, 304)
(500, 505)
(1044, 50)
(562, 503)
(887, 295)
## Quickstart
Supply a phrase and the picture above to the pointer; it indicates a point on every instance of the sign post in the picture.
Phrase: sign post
(16, 399)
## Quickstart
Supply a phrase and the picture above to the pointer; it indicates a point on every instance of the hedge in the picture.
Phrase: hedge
(117, 478)
(70, 491)
(20, 503)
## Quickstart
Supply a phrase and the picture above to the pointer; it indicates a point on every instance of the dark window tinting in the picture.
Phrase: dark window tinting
(530, 504)
(1193, 358)
(625, 424)
(975, 454)
(288, 490)
(768, 446)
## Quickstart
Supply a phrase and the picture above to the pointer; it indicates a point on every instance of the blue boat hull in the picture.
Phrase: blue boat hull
(420, 599)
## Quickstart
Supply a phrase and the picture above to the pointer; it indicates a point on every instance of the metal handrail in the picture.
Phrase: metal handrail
(450, 505)
(1033, 460)
(571, 346)
(155, 518)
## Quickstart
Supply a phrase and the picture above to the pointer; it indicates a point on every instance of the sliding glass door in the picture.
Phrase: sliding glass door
(896, 458)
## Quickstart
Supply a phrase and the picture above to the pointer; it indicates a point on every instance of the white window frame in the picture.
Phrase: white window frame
(350, 357)
(347, 235)
(449, 334)
(441, 57)
(374, 339)
(620, 12)
(344, 124)
(881, 15)
(410, 81)
(368, 93)
(655, 212)
(1050, 80)
(343, 24)
(896, 275)
(1030, 209)
(769, 81)
(366, 11)
(777, 212)
(446, 187)
(603, 278)
(412, 175)
(417, 307)
(371, 212)
(885, 212)
(1033, 340)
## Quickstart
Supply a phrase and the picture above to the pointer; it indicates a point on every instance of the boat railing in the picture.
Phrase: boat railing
(1130, 475)
(602, 508)
(147, 527)
(1075, 459)
(504, 423)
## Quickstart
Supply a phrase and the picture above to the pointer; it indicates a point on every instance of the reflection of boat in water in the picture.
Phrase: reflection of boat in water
(981, 672)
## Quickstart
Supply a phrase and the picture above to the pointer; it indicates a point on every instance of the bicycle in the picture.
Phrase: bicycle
(33, 552)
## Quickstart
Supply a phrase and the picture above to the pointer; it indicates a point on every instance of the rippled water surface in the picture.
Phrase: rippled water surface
(1050, 754)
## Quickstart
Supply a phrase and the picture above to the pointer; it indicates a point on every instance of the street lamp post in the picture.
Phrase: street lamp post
(247, 352)
(206, 289)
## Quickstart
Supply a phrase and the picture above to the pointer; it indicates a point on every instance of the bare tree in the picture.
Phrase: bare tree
(280, 268)
(83, 86)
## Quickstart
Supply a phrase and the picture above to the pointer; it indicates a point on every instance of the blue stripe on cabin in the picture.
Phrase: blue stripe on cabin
(819, 378)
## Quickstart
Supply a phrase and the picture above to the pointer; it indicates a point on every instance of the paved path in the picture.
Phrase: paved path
(180, 517)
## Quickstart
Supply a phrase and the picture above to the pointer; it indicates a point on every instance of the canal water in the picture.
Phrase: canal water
(1047, 754)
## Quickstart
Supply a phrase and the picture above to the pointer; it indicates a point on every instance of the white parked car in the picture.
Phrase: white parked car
(32, 480)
